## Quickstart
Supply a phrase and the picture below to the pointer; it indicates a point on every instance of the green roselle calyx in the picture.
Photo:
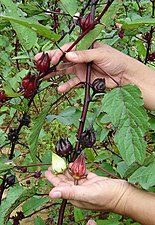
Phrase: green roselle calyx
(58, 164)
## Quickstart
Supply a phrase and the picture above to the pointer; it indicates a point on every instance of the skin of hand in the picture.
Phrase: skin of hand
(93, 192)
(106, 62)
(104, 194)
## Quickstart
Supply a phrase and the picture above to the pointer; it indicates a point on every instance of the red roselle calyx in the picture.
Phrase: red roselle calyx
(86, 21)
(88, 138)
(29, 85)
(78, 168)
(63, 147)
(43, 63)
(98, 85)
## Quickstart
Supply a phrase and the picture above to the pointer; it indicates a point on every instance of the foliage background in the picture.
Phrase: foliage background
(125, 131)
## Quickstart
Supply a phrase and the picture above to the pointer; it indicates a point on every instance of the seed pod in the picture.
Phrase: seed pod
(78, 168)
(121, 34)
(98, 85)
(88, 138)
(37, 174)
(58, 164)
(25, 120)
(10, 180)
(64, 147)
(85, 22)
(3, 97)
(151, 56)
(43, 63)
(13, 135)
(29, 85)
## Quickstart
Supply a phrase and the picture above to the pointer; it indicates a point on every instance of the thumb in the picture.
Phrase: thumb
(73, 192)
(83, 56)
(91, 222)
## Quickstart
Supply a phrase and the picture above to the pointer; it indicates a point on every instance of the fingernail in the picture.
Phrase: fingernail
(56, 194)
(72, 55)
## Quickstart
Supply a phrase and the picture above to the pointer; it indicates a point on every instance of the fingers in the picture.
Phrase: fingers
(56, 179)
(85, 56)
(91, 222)
(55, 55)
(69, 84)
(70, 192)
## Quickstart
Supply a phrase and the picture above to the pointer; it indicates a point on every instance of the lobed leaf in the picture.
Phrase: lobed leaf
(145, 176)
(124, 107)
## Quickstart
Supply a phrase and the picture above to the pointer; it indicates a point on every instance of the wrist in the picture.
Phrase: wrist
(143, 77)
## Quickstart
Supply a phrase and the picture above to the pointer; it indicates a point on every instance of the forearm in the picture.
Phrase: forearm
(138, 205)
(144, 78)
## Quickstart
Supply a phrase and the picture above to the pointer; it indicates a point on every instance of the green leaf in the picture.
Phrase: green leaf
(89, 38)
(137, 23)
(145, 176)
(107, 20)
(31, 8)
(35, 131)
(34, 26)
(78, 214)
(124, 107)
(15, 197)
(33, 203)
(5, 167)
(9, 91)
(70, 6)
(26, 36)
(39, 221)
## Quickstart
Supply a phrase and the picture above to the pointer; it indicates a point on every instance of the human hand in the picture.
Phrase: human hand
(107, 62)
(93, 192)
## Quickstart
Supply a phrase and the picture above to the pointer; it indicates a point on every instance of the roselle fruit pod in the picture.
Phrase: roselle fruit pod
(88, 138)
(64, 147)
(43, 64)
(29, 85)
(151, 56)
(10, 180)
(13, 135)
(98, 85)
(58, 164)
(3, 97)
(29, 82)
(78, 168)
(121, 34)
(85, 22)
(25, 120)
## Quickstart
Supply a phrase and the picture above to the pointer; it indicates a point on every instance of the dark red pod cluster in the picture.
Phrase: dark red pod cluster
(10, 180)
(85, 22)
(98, 85)
(29, 85)
(88, 138)
(151, 56)
(147, 36)
(43, 63)
(63, 147)
(78, 168)
(3, 97)
(121, 34)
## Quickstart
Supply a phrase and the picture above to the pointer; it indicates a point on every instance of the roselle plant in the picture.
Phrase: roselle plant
(86, 126)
